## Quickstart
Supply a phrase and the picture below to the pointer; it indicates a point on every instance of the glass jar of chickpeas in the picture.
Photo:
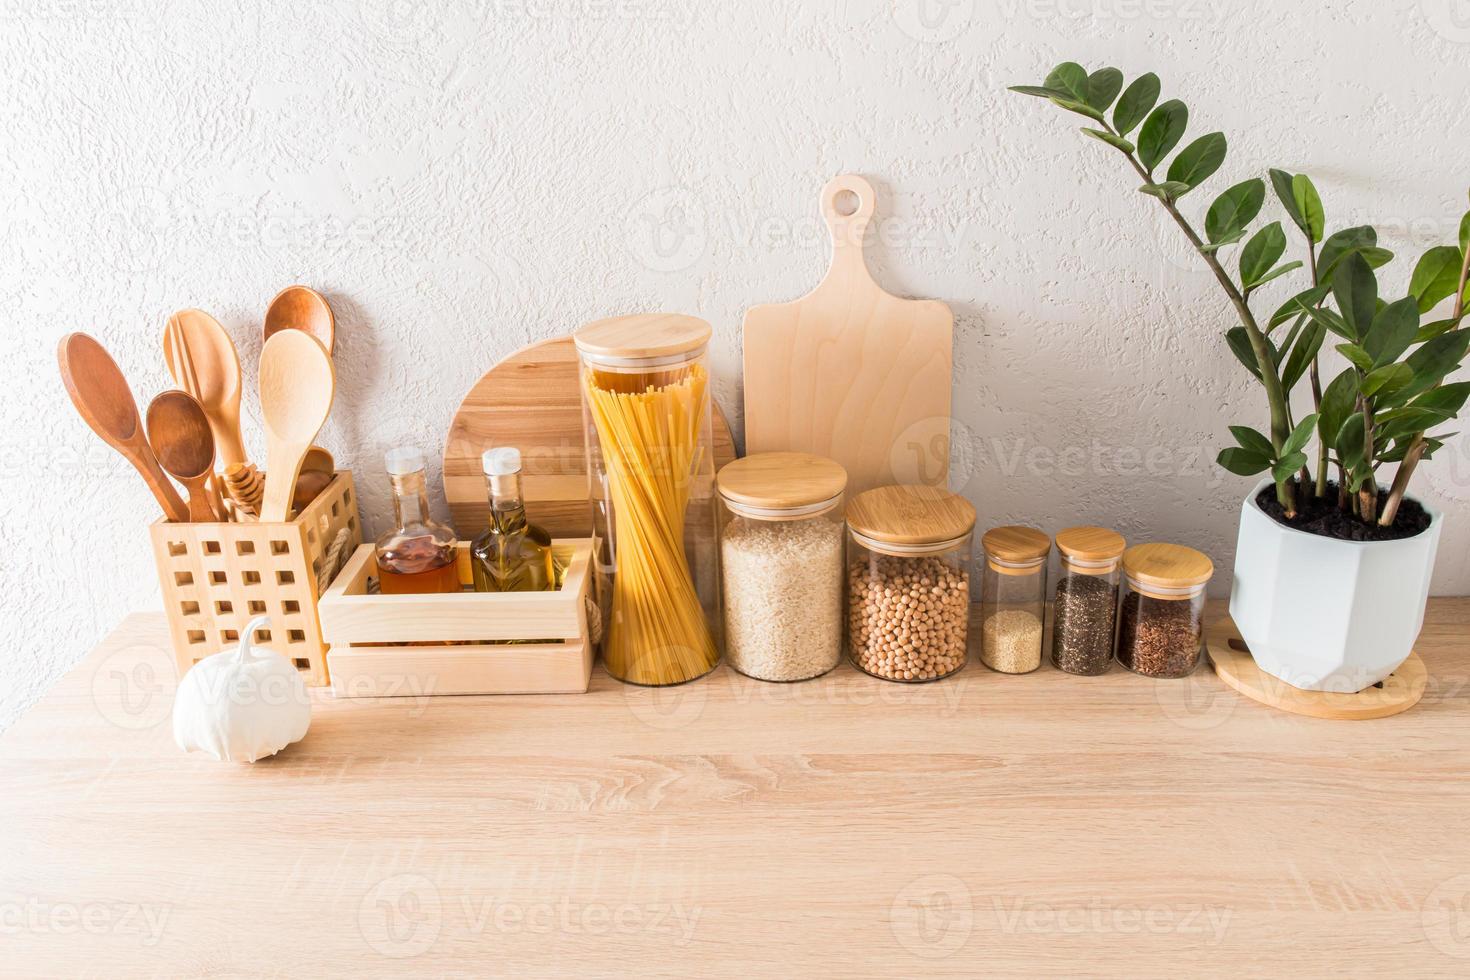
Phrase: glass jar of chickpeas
(908, 582)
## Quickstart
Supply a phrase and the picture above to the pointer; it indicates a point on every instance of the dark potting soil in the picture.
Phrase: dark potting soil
(1322, 516)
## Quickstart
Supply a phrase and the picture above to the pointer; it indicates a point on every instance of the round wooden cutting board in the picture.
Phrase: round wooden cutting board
(531, 400)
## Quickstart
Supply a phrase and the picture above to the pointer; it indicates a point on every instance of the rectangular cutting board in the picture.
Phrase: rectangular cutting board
(850, 371)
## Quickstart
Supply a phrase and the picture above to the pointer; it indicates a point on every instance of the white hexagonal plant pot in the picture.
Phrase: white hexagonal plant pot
(1328, 615)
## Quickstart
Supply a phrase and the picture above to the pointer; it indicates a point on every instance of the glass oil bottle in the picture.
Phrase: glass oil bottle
(512, 555)
(418, 555)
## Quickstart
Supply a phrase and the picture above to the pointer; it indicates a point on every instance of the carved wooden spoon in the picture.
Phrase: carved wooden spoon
(103, 399)
(296, 388)
(302, 308)
(179, 432)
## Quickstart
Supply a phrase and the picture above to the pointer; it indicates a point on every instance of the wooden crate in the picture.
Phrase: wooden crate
(218, 577)
(412, 645)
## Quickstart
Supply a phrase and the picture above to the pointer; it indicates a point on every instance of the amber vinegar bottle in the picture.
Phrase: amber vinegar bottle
(418, 555)
(512, 555)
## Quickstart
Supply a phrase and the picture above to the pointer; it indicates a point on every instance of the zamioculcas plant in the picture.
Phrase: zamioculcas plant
(1382, 407)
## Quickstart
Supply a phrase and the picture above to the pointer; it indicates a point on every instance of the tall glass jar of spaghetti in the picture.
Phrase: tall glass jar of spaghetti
(650, 462)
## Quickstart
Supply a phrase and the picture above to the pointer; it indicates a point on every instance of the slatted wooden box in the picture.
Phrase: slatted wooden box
(218, 577)
(414, 645)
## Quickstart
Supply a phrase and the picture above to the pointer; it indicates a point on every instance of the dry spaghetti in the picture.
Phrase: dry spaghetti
(648, 427)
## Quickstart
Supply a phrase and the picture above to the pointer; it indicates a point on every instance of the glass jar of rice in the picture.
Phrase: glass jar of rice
(781, 564)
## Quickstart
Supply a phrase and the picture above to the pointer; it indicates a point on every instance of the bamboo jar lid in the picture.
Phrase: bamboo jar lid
(910, 515)
(1090, 546)
(797, 482)
(1169, 571)
(641, 336)
(1011, 546)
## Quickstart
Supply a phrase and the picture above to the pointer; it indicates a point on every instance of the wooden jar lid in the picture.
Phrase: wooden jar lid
(1015, 544)
(642, 335)
(1090, 544)
(910, 515)
(781, 481)
(1167, 566)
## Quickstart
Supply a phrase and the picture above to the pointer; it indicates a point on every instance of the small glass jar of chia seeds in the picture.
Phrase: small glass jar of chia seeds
(1013, 598)
(1161, 626)
(1085, 609)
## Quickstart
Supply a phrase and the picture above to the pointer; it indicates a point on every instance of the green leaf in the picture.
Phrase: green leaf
(1161, 132)
(1040, 91)
(1302, 353)
(1300, 436)
(1103, 87)
(1071, 78)
(1360, 358)
(1298, 305)
(1277, 273)
(1436, 276)
(1287, 466)
(1406, 422)
(1332, 320)
(1392, 331)
(1261, 253)
(1465, 233)
(1229, 239)
(1386, 379)
(1252, 441)
(1281, 184)
(1240, 346)
(1199, 160)
(1355, 288)
(1081, 108)
(1437, 358)
(1169, 190)
(1235, 209)
(1362, 239)
(1448, 399)
(1310, 206)
(1351, 440)
(1337, 403)
(1242, 462)
(1116, 142)
(1431, 330)
(1138, 99)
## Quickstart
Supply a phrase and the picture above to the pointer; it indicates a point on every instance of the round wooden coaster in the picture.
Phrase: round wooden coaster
(1234, 664)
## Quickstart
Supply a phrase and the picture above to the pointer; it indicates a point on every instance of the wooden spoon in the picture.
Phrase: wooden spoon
(318, 460)
(179, 432)
(203, 361)
(302, 308)
(103, 399)
(296, 388)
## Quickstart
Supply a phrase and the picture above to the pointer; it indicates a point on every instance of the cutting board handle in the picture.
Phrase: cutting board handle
(848, 203)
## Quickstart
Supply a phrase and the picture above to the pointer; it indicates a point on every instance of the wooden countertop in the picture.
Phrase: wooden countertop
(846, 826)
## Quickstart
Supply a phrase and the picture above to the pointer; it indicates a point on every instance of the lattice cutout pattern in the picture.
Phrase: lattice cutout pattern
(217, 577)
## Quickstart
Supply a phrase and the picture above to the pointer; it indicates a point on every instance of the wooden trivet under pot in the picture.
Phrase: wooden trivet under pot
(1234, 664)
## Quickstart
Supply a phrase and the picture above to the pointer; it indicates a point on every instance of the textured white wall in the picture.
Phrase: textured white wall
(463, 177)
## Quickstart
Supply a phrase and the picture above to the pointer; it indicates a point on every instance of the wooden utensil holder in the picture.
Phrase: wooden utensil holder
(217, 577)
(414, 645)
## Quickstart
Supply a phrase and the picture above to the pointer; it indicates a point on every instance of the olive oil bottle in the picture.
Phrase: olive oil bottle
(512, 555)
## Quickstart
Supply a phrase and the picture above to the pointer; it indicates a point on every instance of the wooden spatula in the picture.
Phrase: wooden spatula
(296, 388)
(203, 361)
(850, 371)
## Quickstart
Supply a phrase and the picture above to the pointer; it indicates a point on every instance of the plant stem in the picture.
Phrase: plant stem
(1320, 490)
(1270, 378)
(1416, 449)
(1368, 492)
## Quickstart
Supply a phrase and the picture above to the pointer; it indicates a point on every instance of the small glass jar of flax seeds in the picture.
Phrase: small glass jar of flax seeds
(1085, 611)
(908, 582)
(1013, 598)
(1161, 626)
